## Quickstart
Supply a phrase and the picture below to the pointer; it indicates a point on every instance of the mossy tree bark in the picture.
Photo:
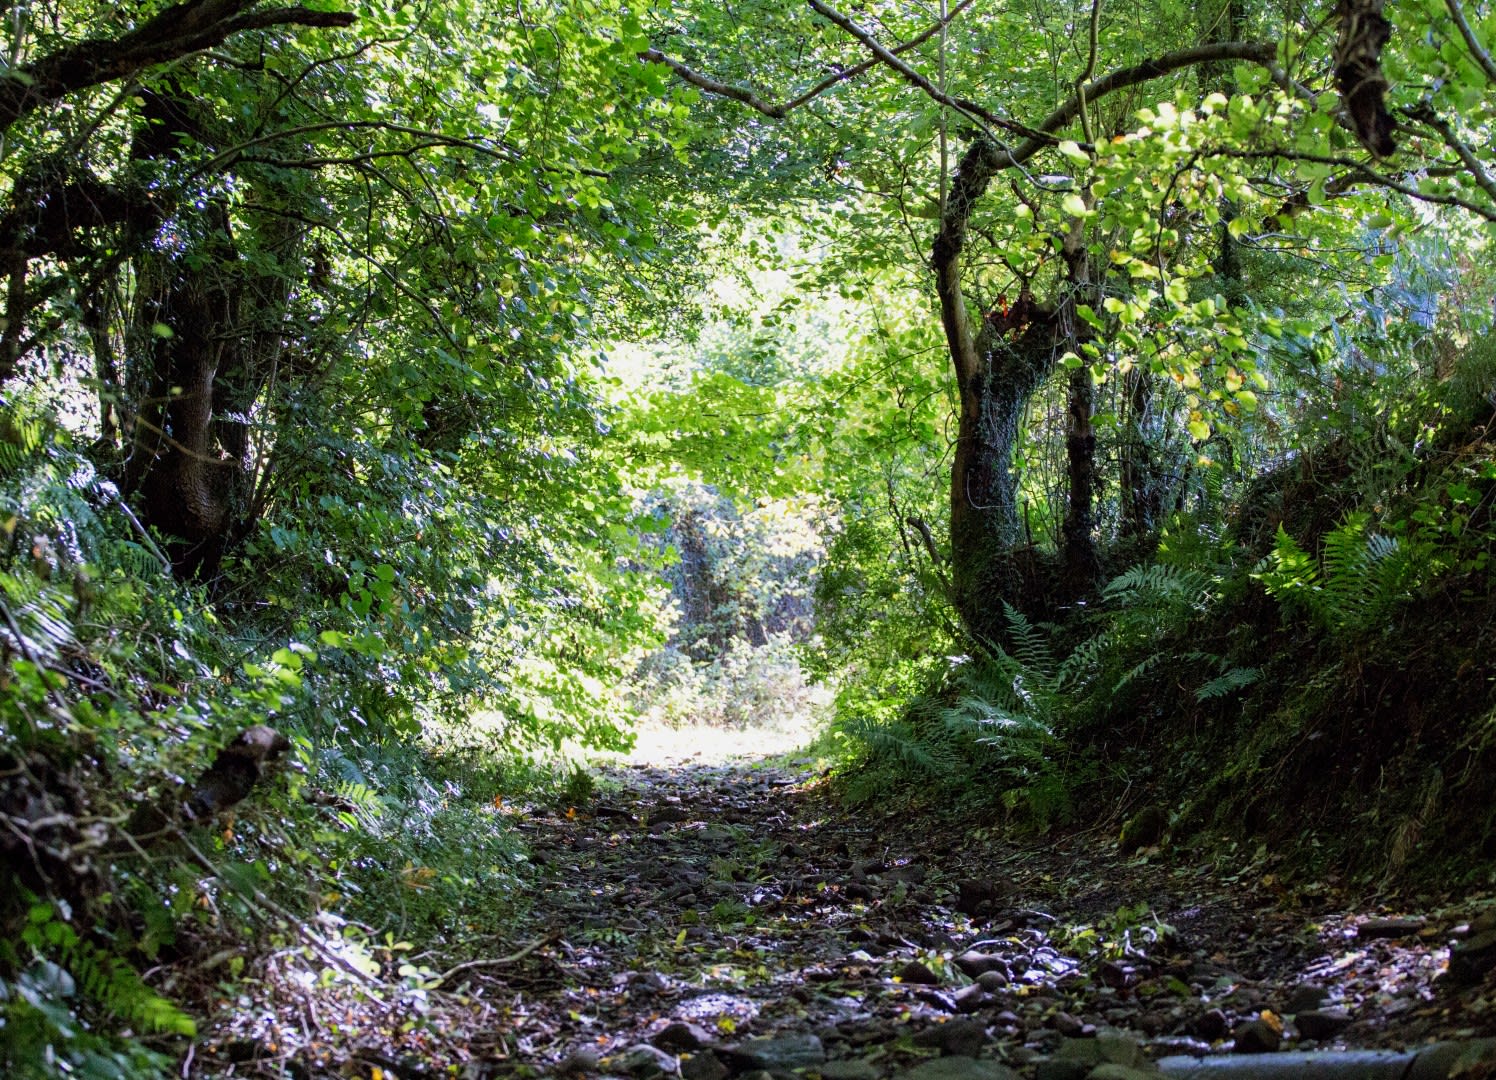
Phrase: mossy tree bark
(206, 334)
(999, 365)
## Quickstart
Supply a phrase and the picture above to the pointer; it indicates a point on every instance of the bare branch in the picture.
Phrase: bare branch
(1090, 72)
(715, 87)
(497, 961)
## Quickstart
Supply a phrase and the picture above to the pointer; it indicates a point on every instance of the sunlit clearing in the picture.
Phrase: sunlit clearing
(661, 744)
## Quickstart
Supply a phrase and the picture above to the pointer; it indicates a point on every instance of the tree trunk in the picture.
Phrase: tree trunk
(998, 368)
(205, 334)
(1141, 484)
(1082, 565)
(183, 339)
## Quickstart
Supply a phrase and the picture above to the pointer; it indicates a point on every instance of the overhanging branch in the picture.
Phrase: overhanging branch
(1477, 50)
(1256, 52)
(778, 111)
(178, 31)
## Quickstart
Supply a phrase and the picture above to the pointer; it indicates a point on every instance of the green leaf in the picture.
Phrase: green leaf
(1071, 149)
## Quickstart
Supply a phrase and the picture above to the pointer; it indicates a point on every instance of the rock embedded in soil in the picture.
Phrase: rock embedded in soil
(973, 964)
(585, 1060)
(957, 1038)
(1257, 1037)
(1210, 1026)
(1390, 928)
(958, 1068)
(680, 1035)
(1472, 959)
(1320, 1024)
(1305, 997)
(917, 974)
(704, 1066)
(1060, 1069)
(779, 1052)
(975, 897)
(992, 981)
(849, 1070)
(969, 999)
(1067, 1025)
(646, 1060)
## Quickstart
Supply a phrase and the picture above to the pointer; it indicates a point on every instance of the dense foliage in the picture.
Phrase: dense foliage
(388, 401)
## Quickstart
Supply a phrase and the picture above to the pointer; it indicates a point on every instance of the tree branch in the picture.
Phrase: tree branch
(889, 58)
(1424, 113)
(1036, 139)
(1256, 52)
(1482, 57)
(746, 96)
(178, 31)
(1361, 171)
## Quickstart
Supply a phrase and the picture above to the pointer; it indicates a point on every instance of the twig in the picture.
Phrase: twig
(501, 961)
(317, 944)
(889, 59)
(111, 494)
(1090, 72)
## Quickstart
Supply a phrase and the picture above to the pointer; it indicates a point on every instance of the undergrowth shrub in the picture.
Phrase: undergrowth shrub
(388, 815)
(987, 731)
(740, 581)
(741, 686)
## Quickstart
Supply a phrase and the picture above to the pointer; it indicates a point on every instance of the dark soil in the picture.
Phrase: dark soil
(708, 921)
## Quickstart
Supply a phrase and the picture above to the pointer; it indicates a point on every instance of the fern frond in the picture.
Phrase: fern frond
(1030, 647)
(114, 984)
(1085, 661)
(1229, 682)
(1138, 670)
(898, 742)
(1156, 580)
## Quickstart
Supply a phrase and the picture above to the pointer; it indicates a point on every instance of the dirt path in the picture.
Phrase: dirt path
(711, 922)
(744, 904)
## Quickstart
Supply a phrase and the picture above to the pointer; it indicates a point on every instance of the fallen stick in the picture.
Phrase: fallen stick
(501, 961)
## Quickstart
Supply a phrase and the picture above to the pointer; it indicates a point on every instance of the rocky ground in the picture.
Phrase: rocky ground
(714, 922)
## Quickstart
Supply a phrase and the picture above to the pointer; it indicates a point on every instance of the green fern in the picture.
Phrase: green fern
(104, 976)
(1158, 582)
(1228, 683)
(1029, 647)
(1355, 584)
(114, 984)
(904, 745)
(1138, 670)
(1086, 661)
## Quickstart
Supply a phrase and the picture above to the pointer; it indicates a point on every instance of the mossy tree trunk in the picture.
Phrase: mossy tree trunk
(204, 339)
(999, 365)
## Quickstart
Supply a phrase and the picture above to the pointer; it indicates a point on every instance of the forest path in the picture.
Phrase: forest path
(714, 921)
